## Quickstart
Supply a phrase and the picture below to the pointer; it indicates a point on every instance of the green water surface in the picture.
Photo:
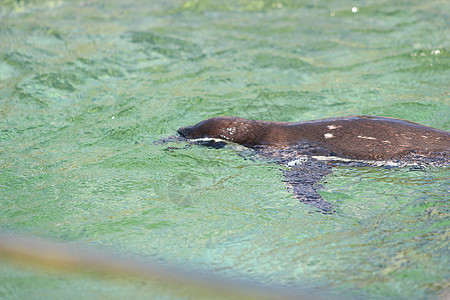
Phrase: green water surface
(87, 86)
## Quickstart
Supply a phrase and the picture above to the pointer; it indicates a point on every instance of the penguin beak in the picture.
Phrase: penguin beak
(185, 131)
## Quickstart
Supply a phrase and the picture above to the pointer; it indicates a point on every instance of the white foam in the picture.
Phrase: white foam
(299, 161)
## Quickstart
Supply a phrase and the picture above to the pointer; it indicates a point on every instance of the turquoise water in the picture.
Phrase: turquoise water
(87, 86)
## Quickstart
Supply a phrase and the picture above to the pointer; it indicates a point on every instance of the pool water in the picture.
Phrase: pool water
(86, 87)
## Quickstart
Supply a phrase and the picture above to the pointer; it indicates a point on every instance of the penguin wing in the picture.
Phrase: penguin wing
(304, 181)
(302, 173)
